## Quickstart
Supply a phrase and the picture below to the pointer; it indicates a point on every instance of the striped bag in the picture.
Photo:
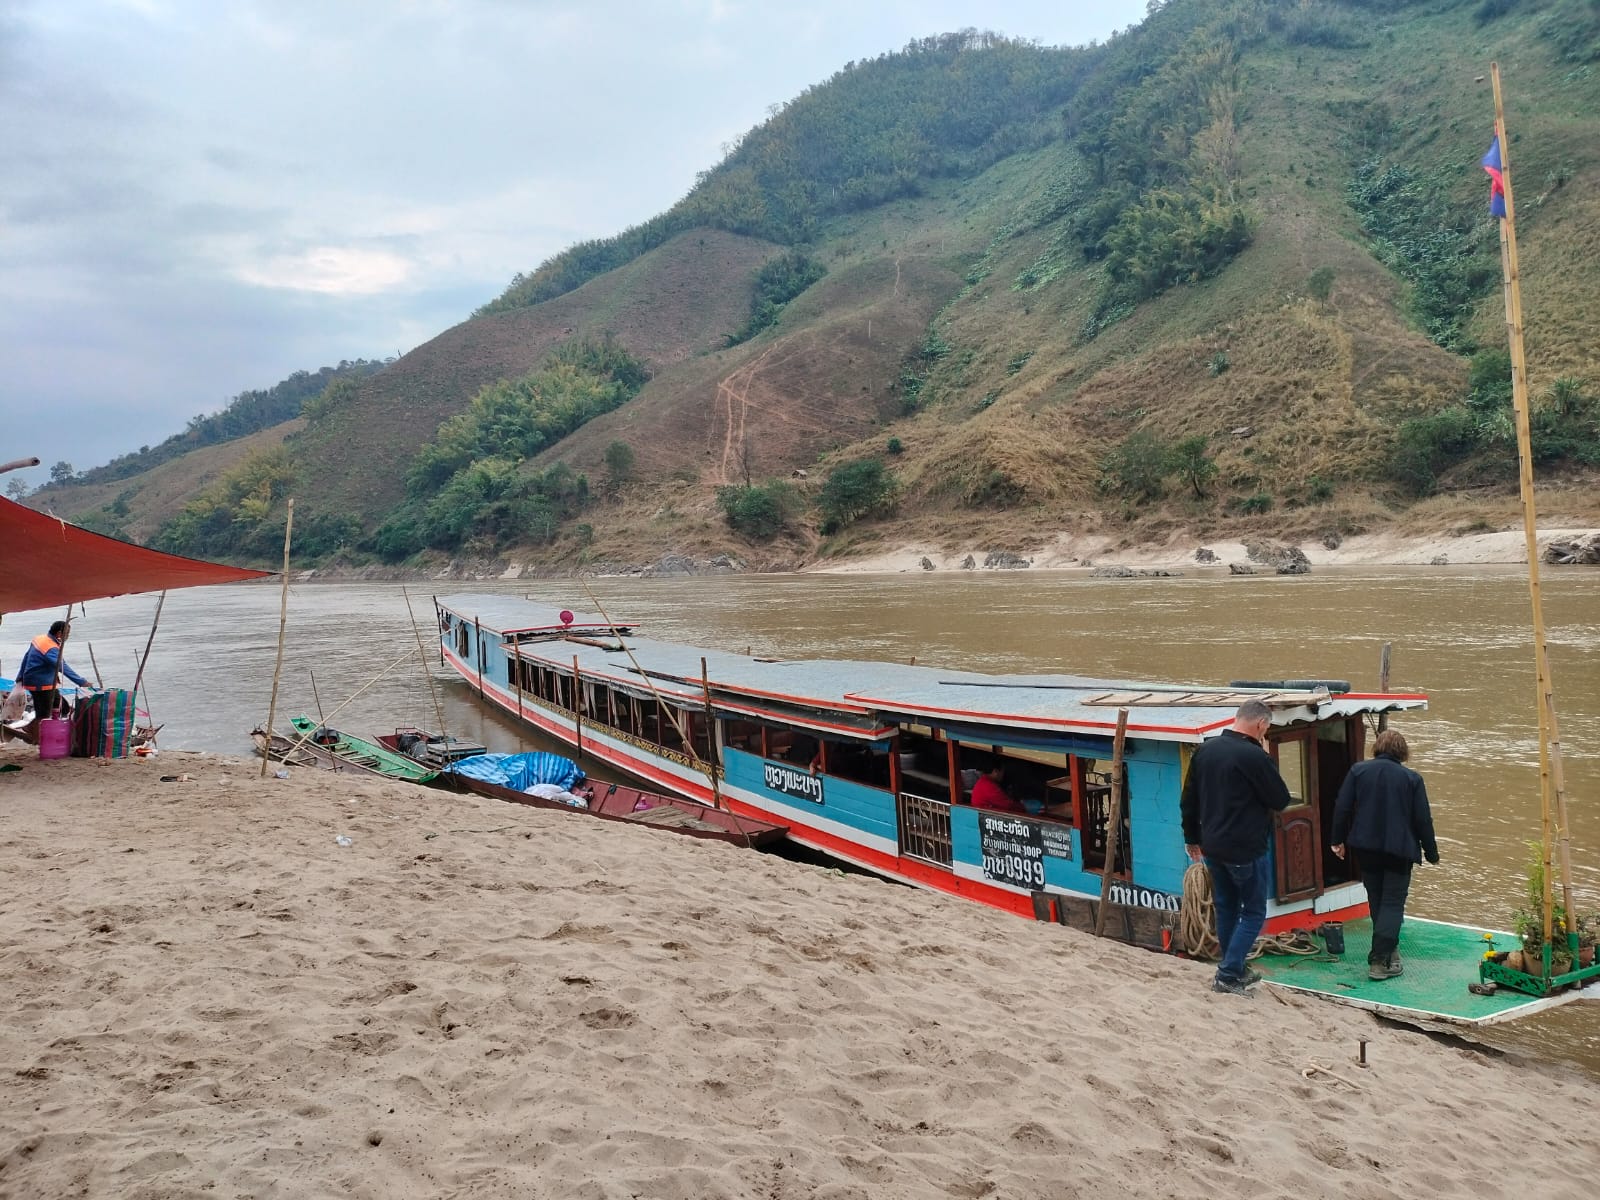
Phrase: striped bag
(102, 726)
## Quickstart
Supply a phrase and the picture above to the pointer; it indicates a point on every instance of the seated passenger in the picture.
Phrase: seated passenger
(989, 792)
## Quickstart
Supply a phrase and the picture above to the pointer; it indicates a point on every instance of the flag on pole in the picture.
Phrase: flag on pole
(1497, 183)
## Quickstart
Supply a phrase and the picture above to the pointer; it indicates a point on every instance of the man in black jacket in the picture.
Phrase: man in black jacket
(1382, 818)
(1232, 790)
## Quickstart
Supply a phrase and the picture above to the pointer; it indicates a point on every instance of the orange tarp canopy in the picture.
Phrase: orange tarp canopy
(45, 562)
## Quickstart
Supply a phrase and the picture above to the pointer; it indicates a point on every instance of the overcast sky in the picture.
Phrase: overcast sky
(199, 197)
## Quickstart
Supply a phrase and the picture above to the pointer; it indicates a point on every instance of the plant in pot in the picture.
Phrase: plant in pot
(1528, 924)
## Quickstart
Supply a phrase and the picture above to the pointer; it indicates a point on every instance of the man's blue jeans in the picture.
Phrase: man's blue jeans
(1241, 898)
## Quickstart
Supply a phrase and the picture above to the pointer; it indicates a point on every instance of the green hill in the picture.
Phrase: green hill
(1231, 270)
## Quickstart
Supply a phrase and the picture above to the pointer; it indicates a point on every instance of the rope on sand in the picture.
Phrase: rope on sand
(1315, 1067)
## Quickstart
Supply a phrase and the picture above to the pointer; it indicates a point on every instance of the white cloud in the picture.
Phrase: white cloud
(330, 270)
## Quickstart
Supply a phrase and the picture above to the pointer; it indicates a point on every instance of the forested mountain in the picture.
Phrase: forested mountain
(247, 413)
(1232, 269)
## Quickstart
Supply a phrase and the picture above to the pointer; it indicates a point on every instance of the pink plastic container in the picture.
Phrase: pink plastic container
(55, 738)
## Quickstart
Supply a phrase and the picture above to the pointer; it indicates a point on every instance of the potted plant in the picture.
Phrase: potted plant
(1528, 924)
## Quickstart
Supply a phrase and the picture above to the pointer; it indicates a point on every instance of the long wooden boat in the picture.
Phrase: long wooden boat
(873, 763)
(324, 744)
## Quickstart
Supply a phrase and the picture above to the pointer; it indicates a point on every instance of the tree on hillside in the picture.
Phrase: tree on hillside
(759, 512)
(1190, 462)
(62, 472)
(619, 463)
(16, 489)
(854, 490)
(1136, 468)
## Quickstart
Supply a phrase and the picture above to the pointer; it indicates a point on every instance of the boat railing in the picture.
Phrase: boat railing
(925, 829)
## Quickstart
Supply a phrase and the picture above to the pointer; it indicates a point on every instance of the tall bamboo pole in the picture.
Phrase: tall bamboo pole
(283, 625)
(161, 602)
(1552, 777)
(422, 657)
(577, 709)
(711, 734)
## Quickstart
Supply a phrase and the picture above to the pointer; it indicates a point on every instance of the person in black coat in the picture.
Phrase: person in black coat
(1229, 795)
(1381, 818)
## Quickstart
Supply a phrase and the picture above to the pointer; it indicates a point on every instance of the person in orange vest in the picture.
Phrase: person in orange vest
(40, 671)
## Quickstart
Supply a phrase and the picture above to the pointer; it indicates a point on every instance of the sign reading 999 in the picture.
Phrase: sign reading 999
(1013, 850)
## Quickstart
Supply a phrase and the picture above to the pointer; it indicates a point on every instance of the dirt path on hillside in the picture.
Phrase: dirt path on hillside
(776, 411)
(733, 397)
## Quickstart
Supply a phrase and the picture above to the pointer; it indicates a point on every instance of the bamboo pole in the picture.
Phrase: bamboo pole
(422, 657)
(99, 680)
(577, 709)
(1114, 833)
(283, 624)
(1383, 683)
(18, 464)
(162, 600)
(711, 730)
(1552, 782)
(147, 713)
(478, 650)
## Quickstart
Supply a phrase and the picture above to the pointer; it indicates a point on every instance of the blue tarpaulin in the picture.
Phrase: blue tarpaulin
(519, 772)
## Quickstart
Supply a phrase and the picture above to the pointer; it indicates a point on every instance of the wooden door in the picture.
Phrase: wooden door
(1296, 830)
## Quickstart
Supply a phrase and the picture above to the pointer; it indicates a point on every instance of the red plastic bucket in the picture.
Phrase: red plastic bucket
(55, 738)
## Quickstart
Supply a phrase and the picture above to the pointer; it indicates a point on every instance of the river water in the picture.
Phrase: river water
(1460, 634)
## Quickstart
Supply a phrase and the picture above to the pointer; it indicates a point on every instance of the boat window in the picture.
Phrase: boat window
(860, 762)
(924, 765)
(1093, 782)
(462, 644)
(672, 720)
(742, 735)
(1292, 766)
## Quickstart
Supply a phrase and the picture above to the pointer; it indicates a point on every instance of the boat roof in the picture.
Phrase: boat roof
(513, 615)
(867, 699)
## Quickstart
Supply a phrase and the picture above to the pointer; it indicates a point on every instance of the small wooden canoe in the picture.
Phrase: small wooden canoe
(430, 749)
(358, 752)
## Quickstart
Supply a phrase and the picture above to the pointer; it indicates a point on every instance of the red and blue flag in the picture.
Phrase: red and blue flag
(1497, 182)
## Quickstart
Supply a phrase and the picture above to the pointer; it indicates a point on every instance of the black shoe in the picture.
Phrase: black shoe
(1233, 987)
(1394, 966)
(1252, 977)
(1378, 970)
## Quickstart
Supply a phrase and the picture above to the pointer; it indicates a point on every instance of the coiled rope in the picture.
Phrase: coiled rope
(1199, 914)
(1198, 925)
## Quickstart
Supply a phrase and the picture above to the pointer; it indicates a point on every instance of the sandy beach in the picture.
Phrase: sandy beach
(1083, 552)
(207, 995)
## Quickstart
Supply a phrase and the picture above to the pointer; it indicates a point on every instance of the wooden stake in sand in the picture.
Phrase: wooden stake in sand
(1114, 832)
(283, 625)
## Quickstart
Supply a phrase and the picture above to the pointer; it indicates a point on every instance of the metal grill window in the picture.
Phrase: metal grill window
(925, 829)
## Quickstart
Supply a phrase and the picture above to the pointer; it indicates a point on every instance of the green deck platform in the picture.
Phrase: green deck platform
(1440, 961)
